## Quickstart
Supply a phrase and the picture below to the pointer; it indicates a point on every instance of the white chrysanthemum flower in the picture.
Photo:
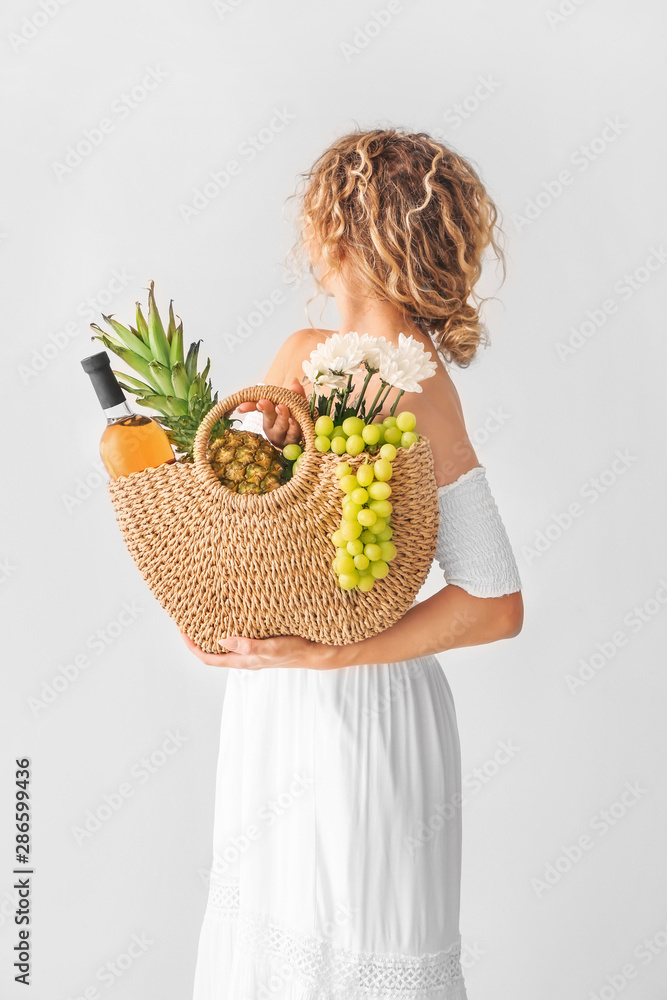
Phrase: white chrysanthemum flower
(414, 364)
(413, 351)
(340, 353)
(332, 381)
(388, 370)
(406, 383)
(322, 376)
(407, 365)
(375, 350)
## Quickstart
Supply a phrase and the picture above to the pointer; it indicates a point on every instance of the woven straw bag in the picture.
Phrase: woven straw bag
(223, 563)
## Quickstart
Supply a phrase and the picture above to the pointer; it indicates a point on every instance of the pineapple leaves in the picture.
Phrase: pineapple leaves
(166, 381)
(162, 375)
(169, 405)
(157, 338)
(128, 338)
(191, 359)
(133, 385)
(125, 387)
(196, 390)
(142, 326)
(129, 357)
(176, 347)
(171, 329)
(180, 381)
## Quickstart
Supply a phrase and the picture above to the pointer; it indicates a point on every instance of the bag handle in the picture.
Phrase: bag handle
(297, 405)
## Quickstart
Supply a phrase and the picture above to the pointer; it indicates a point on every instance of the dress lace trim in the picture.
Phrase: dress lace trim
(224, 895)
(335, 972)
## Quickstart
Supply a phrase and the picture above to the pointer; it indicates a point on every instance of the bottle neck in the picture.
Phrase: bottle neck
(116, 412)
(109, 393)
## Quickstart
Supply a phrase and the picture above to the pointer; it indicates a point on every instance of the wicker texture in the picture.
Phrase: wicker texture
(223, 563)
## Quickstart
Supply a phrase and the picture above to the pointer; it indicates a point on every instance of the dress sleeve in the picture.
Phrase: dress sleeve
(251, 420)
(473, 549)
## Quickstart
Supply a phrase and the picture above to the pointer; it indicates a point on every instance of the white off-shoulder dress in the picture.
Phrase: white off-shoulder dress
(336, 861)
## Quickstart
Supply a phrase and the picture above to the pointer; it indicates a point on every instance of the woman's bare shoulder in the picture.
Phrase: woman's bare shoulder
(303, 341)
(287, 363)
(440, 418)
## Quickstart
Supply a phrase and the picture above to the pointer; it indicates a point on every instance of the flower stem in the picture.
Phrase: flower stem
(331, 399)
(400, 393)
(360, 402)
(346, 393)
(377, 409)
(373, 409)
(381, 404)
(312, 405)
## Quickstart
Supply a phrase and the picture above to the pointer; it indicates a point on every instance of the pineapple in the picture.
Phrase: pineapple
(244, 462)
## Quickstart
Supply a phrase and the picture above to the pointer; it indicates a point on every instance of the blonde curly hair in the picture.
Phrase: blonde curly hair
(411, 220)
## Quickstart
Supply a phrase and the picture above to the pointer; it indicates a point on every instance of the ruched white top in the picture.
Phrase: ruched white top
(473, 549)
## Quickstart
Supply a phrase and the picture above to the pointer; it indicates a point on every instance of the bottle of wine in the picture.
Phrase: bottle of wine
(131, 442)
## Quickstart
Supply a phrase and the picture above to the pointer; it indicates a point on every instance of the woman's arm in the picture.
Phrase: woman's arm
(449, 619)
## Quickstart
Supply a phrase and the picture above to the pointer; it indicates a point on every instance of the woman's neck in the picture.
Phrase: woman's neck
(375, 317)
(365, 314)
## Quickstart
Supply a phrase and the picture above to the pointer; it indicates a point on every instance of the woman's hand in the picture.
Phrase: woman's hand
(278, 651)
(279, 426)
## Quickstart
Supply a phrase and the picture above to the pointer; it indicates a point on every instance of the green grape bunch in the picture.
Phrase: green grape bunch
(363, 540)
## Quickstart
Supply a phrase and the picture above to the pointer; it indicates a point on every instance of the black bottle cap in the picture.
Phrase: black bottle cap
(96, 362)
(98, 367)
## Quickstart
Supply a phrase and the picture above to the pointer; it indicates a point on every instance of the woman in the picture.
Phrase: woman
(337, 838)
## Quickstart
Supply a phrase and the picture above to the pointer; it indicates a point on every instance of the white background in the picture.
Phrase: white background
(547, 425)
